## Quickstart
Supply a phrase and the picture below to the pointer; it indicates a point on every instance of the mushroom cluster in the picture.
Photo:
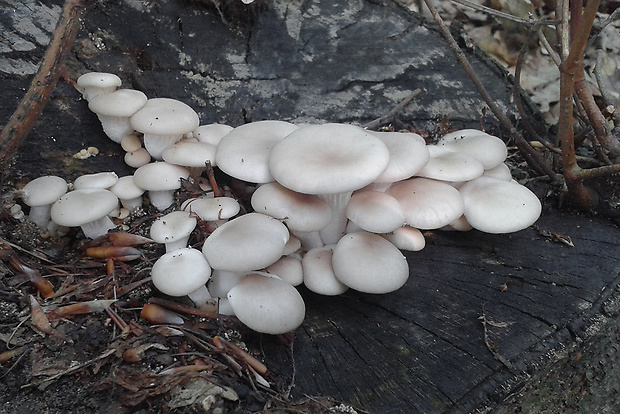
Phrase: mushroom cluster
(332, 205)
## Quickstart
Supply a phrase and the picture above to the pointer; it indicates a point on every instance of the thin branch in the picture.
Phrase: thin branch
(389, 117)
(43, 84)
(500, 14)
(530, 155)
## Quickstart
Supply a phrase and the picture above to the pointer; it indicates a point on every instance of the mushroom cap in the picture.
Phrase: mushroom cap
(165, 116)
(137, 158)
(212, 209)
(408, 154)
(79, 207)
(122, 103)
(328, 159)
(180, 272)
(497, 206)
(97, 80)
(249, 242)
(212, 133)
(489, 150)
(502, 171)
(428, 204)
(172, 226)
(222, 281)
(407, 238)
(451, 166)
(243, 153)
(300, 212)
(375, 211)
(190, 154)
(44, 190)
(267, 304)
(126, 189)
(159, 176)
(319, 274)
(101, 180)
(369, 263)
(287, 268)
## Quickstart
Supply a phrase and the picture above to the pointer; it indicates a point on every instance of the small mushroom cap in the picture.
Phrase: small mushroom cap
(180, 272)
(489, 150)
(287, 268)
(451, 166)
(502, 172)
(212, 133)
(95, 83)
(407, 238)
(249, 242)
(159, 176)
(190, 154)
(137, 158)
(101, 180)
(319, 274)
(79, 207)
(126, 189)
(44, 190)
(328, 159)
(300, 212)
(375, 211)
(497, 206)
(120, 103)
(267, 304)
(408, 154)
(369, 263)
(173, 226)
(165, 116)
(428, 204)
(212, 209)
(243, 153)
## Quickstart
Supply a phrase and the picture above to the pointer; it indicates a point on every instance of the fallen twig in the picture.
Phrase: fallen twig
(389, 117)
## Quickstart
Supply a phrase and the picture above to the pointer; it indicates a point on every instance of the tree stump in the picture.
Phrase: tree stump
(481, 314)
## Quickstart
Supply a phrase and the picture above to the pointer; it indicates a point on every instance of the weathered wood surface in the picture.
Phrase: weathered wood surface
(421, 349)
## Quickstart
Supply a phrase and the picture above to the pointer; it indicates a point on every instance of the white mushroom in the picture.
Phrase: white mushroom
(87, 208)
(173, 229)
(102, 180)
(114, 109)
(489, 150)
(163, 121)
(289, 269)
(375, 211)
(331, 161)
(249, 242)
(406, 238)
(160, 179)
(191, 154)
(212, 133)
(369, 263)
(183, 272)
(497, 206)
(267, 304)
(319, 274)
(243, 152)
(39, 194)
(96, 83)
(428, 204)
(128, 192)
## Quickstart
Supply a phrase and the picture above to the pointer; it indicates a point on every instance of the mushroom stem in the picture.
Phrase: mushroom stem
(162, 199)
(115, 127)
(98, 227)
(156, 144)
(200, 296)
(336, 228)
(40, 215)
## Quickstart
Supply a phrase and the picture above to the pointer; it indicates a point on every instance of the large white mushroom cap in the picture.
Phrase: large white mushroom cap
(160, 179)
(498, 206)
(369, 263)
(181, 272)
(249, 242)
(87, 208)
(267, 304)
(243, 152)
(428, 204)
(328, 159)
